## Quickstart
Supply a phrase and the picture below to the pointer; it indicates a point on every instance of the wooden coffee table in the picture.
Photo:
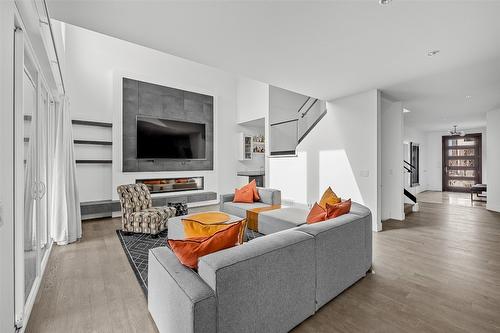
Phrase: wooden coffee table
(253, 216)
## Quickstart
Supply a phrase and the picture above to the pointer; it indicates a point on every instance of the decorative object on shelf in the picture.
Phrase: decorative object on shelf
(181, 208)
(258, 139)
(258, 149)
(258, 144)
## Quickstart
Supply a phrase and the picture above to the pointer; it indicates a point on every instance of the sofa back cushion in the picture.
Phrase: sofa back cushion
(343, 253)
(265, 285)
(269, 196)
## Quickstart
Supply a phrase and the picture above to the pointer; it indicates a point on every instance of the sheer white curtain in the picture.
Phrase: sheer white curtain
(65, 205)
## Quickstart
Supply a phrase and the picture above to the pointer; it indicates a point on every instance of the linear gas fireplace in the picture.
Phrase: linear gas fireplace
(163, 185)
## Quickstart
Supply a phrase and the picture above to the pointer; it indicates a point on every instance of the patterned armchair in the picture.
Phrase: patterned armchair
(138, 213)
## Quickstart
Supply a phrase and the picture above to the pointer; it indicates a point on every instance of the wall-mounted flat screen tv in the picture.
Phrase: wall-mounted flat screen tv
(159, 138)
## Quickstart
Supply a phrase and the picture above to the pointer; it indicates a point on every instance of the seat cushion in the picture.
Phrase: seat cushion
(151, 220)
(281, 219)
(240, 209)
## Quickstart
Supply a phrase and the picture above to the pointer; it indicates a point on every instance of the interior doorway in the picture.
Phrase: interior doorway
(462, 162)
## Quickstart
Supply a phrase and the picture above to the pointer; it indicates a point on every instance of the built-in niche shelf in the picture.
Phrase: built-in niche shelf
(91, 123)
(94, 161)
(93, 142)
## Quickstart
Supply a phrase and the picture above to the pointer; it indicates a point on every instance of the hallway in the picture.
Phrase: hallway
(449, 198)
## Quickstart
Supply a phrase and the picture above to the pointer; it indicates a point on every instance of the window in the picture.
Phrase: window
(415, 162)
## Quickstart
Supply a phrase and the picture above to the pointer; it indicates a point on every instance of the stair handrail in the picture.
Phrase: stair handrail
(303, 104)
(308, 109)
(411, 165)
(409, 195)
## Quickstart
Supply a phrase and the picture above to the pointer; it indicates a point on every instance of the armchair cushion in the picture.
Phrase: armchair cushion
(138, 214)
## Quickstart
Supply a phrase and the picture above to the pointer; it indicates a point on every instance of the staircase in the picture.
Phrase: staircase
(409, 207)
(286, 135)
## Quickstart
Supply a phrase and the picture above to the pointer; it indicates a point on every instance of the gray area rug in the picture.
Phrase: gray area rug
(137, 246)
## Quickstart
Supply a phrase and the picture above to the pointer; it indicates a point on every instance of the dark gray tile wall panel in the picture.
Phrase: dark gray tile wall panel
(147, 99)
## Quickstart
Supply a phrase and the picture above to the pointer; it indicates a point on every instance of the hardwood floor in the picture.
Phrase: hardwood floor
(450, 198)
(89, 287)
(439, 271)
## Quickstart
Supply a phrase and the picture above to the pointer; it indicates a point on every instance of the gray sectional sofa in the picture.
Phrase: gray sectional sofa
(268, 197)
(269, 284)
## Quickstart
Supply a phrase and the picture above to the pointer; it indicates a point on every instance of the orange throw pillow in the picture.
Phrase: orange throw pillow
(188, 251)
(244, 195)
(336, 210)
(193, 228)
(317, 214)
(329, 197)
(253, 185)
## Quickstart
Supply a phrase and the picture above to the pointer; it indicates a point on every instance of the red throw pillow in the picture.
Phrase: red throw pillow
(336, 210)
(188, 251)
(317, 214)
(244, 195)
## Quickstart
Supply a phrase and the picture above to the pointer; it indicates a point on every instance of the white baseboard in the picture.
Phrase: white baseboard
(492, 207)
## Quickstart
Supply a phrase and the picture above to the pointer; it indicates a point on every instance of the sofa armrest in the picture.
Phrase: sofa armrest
(269, 196)
(226, 197)
(178, 299)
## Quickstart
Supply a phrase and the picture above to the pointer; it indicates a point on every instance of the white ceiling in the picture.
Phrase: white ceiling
(327, 49)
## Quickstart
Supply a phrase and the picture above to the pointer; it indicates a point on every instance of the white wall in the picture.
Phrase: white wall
(434, 157)
(341, 152)
(392, 160)
(252, 103)
(95, 64)
(257, 163)
(417, 136)
(252, 100)
(6, 168)
(284, 104)
(493, 163)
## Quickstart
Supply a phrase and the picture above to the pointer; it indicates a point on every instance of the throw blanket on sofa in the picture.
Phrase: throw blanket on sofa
(253, 216)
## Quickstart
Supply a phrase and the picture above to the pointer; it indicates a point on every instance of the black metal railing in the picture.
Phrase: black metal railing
(410, 196)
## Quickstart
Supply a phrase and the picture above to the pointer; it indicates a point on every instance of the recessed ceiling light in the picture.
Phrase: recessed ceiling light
(406, 111)
(433, 53)
(384, 2)
(468, 97)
